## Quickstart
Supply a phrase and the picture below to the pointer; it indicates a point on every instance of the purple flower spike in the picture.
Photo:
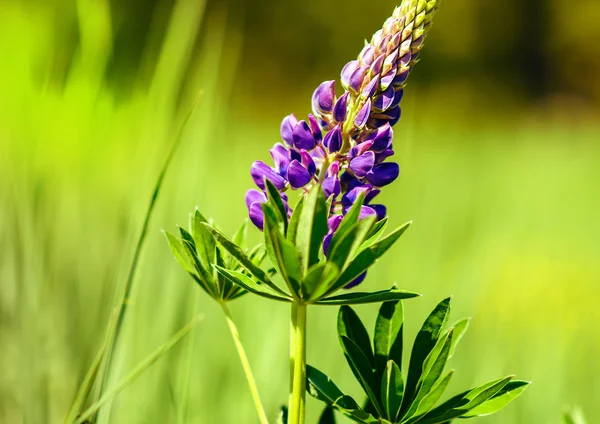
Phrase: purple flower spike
(356, 281)
(308, 163)
(298, 175)
(303, 137)
(367, 55)
(363, 114)
(383, 174)
(348, 71)
(254, 198)
(339, 110)
(261, 170)
(281, 158)
(287, 129)
(382, 138)
(362, 164)
(315, 129)
(323, 98)
(333, 139)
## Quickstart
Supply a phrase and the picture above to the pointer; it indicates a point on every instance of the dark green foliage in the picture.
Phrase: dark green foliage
(377, 367)
(295, 248)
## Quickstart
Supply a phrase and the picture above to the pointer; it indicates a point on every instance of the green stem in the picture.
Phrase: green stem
(298, 395)
(246, 365)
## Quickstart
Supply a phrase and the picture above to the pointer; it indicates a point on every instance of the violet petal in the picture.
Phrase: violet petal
(331, 186)
(281, 158)
(339, 109)
(307, 162)
(298, 176)
(287, 128)
(363, 114)
(347, 72)
(383, 174)
(356, 281)
(254, 196)
(256, 214)
(303, 137)
(323, 98)
(333, 139)
(260, 170)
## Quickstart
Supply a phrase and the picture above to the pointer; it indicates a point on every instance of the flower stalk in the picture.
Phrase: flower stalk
(298, 362)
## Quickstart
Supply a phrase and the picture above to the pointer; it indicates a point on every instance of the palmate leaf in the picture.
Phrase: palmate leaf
(203, 239)
(510, 392)
(349, 242)
(327, 416)
(317, 280)
(276, 202)
(429, 400)
(392, 390)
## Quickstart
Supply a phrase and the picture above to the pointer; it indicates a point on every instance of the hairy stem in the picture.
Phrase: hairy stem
(298, 395)
(246, 365)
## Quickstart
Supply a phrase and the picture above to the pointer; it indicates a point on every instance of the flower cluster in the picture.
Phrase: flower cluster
(344, 145)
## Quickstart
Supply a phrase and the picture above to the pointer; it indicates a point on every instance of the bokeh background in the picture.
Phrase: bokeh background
(499, 148)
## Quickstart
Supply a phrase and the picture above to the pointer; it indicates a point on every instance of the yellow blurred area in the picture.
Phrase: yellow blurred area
(499, 151)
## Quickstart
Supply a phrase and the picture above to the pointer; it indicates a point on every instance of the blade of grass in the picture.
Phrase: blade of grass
(139, 369)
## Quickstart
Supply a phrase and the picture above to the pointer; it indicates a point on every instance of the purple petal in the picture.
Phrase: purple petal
(307, 162)
(388, 78)
(382, 138)
(401, 78)
(326, 243)
(366, 211)
(356, 281)
(298, 176)
(287, 129)
(349, 198)
(332, 187)
(254, 196)
(260, 170)
(391, 116)
(359, 149)
(348, 71)
(281, 158)
(384, 100)
(256, 214)
(363, 114)
(377, 64)
(323, 97)
(362, 164)
(395, 41)
(404, 60)
(390, 61)
(383, 174)
(357, 78)
(380, 210)
(333, 139)
(371, 195)
(303, 137)
(315, 129)
(339, 110)
(398, 94)
(370, 89)
(380, 157)
(367, 55)
(349, 182)
(382, 46)
(334, 222)
(334, 169)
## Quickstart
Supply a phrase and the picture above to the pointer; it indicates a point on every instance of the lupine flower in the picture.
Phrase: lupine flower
(344, 147)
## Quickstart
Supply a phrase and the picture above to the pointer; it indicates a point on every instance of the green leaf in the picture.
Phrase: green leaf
(349, 220)
(327, 417)
(202, 275)
(433, 368)
(282, 418)
(274, 199)
(241, 236)
(313, 227)
(249, 284)
(387, 337)
(464, 402)
(510, 392)
(318, 279)
(574, 415)
(431, 398)
(244, 260)
(392, 390)
(293, 225)
(358, 298)
(362, 370)
(349, 325)
(203, 239)
(283, 253)
(375, 233)
(366, 258)
(460, 328)
(424, 343)
(349, 242)
(321, 387)
(348, 406)
(180, 252)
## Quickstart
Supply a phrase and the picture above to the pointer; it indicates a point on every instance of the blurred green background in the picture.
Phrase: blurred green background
(499, 148)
